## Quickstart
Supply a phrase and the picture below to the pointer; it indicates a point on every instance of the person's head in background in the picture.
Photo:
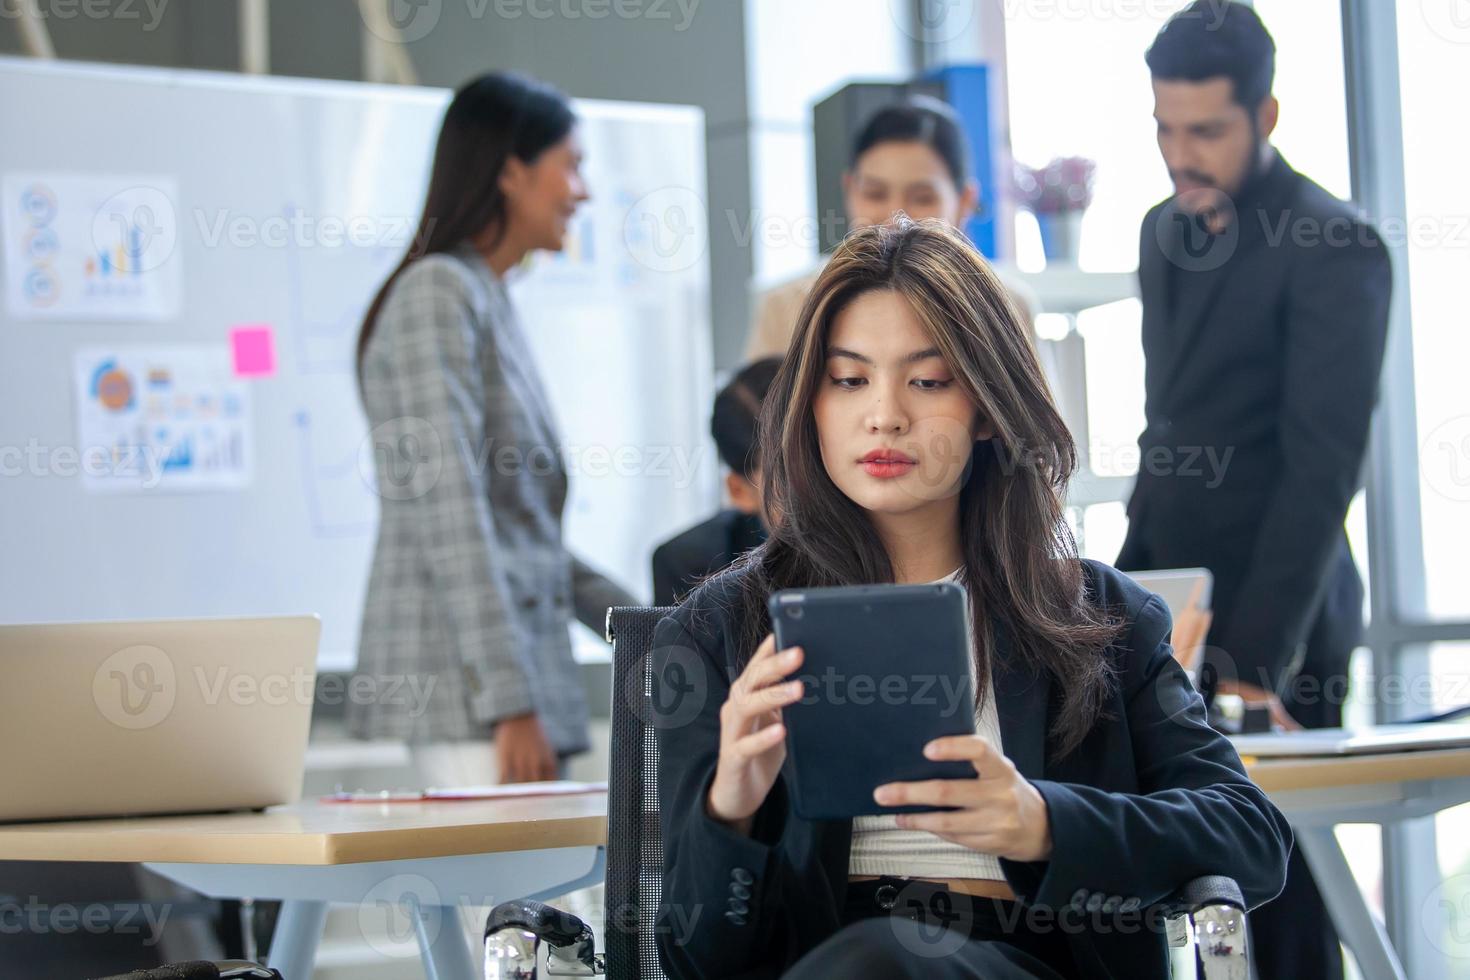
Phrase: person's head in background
(506, 177)
(910, 423)
(1213, 65)
(507, 170)
(734, 425)
(910, 157)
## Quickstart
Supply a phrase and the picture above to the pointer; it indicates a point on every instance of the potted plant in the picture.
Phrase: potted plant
(1058, 194)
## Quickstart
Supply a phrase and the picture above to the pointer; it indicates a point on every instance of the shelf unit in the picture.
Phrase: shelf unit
(1068, 290)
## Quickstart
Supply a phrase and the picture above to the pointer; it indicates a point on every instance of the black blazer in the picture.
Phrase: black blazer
(683, 560)
(1152, 798)
(1263, 349)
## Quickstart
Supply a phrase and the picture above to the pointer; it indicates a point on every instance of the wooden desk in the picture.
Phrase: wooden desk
(433, 857)
(1336, 772)
(1316, 794)
(426, 858)
(320, 833)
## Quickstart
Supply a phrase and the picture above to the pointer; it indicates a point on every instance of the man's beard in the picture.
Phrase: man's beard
(1210, 204)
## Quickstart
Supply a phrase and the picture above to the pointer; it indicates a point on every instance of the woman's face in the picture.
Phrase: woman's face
(541, 196)
(895, 428)
(907, 176)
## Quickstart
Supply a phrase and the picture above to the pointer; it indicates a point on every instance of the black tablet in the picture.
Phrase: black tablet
(886, 671)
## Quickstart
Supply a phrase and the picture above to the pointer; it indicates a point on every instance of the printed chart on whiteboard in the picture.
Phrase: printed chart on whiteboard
(161, 418)
(90, 247)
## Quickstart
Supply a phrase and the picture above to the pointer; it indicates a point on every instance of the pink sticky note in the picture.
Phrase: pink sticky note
(254, 348)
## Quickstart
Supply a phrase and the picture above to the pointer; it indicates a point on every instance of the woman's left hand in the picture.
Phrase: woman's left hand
(999, 812)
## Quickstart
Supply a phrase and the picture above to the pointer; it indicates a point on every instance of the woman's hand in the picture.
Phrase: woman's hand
(999, 812)
(752, 738)
(521, 748)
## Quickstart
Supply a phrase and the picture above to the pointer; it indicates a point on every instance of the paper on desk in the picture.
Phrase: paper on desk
(561, 787)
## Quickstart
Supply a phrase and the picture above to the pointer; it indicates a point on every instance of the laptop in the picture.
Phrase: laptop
(1373, 740)
(1178, 587)
(168, 716)
(1183, 590)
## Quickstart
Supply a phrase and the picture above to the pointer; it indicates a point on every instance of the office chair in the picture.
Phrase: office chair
(1209, 911)
(202, 970)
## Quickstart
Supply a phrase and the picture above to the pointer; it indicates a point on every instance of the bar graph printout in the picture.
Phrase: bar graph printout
(161, 418)
(91, 247)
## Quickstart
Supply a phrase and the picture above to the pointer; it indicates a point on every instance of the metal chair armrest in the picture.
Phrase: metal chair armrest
(1201, 892)
(514, 932)
(1213, 908)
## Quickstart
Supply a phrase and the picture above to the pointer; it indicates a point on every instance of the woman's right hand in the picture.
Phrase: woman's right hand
(523, 753)
(752, 737)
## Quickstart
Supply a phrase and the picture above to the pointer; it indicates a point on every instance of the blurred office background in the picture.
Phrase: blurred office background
(1372, 98)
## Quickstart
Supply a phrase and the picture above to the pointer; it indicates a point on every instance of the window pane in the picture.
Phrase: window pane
(1114, 386)
(1446, 911)
(1363, 845)
(1103, 528)
(1434, 63)
(1109, 118)
(1312, 132)
(1357, 532)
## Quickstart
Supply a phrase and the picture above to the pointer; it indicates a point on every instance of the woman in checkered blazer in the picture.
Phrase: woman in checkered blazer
(464, 632)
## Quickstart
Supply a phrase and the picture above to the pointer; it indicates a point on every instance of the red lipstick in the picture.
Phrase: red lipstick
(887, 463)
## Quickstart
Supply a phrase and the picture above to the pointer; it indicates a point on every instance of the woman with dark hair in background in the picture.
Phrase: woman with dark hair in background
(464, 632)
(909, 437)
(911, 157)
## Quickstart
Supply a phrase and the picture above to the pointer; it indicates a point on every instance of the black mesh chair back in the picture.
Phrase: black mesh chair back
(635, 852)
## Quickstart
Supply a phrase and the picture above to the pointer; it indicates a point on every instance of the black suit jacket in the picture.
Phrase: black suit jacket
(1264, 347)
(681, 562)
(1153, 798)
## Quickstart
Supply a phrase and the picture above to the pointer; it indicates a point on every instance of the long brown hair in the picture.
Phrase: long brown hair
(1021, 563)
(492, 118)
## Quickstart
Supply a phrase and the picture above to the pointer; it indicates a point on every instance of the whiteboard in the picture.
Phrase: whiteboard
(271, 209)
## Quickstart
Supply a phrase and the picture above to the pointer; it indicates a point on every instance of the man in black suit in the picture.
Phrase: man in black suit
(679, 563)
(1265, 310)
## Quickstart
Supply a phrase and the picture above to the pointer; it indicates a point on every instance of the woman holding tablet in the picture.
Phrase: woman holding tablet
(910, 438)
(464, 633)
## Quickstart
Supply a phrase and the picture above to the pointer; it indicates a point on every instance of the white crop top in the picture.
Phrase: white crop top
(879, 847)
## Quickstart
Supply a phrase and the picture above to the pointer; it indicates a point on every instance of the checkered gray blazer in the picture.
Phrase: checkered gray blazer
(472, 589)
